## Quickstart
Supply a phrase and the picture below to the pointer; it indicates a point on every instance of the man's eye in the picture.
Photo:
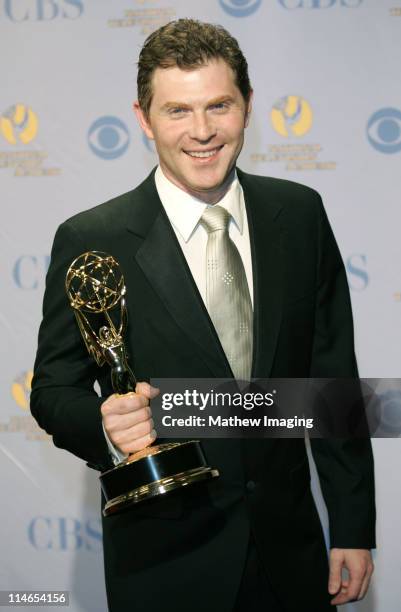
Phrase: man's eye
(177, 111)
(219, 106)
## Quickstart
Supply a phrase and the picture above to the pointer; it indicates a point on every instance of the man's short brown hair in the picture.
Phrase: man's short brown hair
(188, 44)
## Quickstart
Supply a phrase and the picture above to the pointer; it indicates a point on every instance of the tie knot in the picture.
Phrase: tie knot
(215, 218)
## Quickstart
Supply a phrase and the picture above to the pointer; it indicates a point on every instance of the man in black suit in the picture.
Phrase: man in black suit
(251, 539)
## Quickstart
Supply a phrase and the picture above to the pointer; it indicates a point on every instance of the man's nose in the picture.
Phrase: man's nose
(202, 128)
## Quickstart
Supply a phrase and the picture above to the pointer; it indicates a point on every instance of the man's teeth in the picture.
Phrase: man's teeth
(203, 153)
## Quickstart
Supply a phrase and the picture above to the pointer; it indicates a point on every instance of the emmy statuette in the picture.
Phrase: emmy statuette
(95, 287)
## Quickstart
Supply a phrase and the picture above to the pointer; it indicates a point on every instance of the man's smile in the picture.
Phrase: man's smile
(204, 154)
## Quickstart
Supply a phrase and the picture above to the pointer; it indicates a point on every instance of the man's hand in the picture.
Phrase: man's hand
(127, 419)
(358, 562)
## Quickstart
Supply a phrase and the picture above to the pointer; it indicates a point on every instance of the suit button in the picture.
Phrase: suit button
(251, 485)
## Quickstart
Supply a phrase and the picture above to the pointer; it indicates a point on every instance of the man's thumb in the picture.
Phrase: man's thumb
(144, 388)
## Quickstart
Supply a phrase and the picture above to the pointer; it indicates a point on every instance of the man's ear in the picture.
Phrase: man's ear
(248, 108)
(143, 120)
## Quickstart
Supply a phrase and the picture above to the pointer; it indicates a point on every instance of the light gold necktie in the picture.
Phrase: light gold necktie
(227, 293)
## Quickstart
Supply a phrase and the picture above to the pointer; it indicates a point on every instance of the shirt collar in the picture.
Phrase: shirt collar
(184, 210)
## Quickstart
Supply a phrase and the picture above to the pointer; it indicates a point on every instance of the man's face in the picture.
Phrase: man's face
(197, 120)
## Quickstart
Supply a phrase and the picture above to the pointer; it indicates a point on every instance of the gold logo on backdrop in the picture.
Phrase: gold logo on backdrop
(21, 389)
(292, 118)
(146, 17)
(19, 126)
(23, 422)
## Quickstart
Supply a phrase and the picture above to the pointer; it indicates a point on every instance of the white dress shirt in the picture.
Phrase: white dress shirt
(184, 212)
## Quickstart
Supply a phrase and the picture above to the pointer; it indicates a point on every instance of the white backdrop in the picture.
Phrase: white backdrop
(327, 112)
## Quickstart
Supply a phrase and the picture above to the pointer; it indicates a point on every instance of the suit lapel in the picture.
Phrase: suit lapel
(161, 259)
(265, 236)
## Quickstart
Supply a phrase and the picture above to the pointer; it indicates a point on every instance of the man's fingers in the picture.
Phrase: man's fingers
(336, 564)
(340, 599)
(357, 575)
(123, 404)
(140, 443)
(360, 571)
(116, 422)
(125, 438)
(344, 596)
(366, 581)
(129, 402)
(127, 419)
(350, 590)
(144, 388)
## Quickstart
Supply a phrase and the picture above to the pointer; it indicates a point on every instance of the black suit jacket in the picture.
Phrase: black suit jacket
(187, 551)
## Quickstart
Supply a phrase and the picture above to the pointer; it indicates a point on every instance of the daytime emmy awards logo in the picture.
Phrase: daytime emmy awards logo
(145, 18)
(240, 8)
(384, 130)
(20, 420)
(21, 389)
(291, 115)
(19, 124)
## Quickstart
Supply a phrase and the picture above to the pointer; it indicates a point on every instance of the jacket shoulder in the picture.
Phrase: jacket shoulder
(102, 215)
(113, 213)
(297, 202)
(279, 187)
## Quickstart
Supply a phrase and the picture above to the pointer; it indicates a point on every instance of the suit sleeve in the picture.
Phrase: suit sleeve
(345, 466)
(63, 399)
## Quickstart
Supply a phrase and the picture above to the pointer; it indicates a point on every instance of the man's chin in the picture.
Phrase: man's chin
(208, 184)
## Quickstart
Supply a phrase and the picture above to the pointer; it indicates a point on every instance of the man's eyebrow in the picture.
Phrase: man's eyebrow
(169, 105)
(176, 104)
(220, 100)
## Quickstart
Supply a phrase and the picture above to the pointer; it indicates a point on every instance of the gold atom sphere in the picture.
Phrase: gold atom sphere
(94, 282)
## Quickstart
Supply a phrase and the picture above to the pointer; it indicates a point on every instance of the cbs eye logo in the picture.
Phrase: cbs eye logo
(387, 414)
(108, 137)
(240, 8)
(384, 130)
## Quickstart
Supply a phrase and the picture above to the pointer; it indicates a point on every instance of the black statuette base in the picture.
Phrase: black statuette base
(165, 468)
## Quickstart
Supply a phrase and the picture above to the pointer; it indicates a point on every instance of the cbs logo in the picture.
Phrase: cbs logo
(65, 533)
(240, 8)
(108, 137)
(384, 130)
(42, 10)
